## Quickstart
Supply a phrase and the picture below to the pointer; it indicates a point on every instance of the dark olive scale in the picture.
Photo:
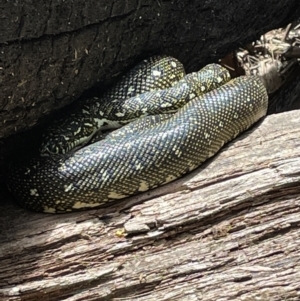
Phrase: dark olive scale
(79, 126)
(145, 159)
(160, 103)
(169, 99)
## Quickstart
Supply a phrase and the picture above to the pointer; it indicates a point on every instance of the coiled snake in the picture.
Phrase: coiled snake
(174, 138)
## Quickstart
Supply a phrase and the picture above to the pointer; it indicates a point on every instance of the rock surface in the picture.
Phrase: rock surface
(50, 53)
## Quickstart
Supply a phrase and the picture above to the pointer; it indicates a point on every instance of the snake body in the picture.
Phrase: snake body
(116, 106)
(129, 161)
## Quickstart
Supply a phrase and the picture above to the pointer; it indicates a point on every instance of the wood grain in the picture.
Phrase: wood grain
(228, 231)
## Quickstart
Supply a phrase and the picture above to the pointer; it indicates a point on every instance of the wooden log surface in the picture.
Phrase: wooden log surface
(227, 231)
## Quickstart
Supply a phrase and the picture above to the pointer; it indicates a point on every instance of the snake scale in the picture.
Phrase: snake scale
(186, 129)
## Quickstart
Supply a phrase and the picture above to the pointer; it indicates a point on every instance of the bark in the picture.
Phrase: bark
(50, 53)
(228, 231)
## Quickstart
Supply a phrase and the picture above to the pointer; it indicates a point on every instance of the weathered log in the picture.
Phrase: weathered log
(228, 231)
(51, 52)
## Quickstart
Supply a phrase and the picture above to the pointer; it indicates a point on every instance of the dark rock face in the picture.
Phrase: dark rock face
(50, 53)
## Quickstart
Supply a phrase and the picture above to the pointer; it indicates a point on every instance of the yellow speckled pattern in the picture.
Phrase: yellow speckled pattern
(144, 159)
(88, 117)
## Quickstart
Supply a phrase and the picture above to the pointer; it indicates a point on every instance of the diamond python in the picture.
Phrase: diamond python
(175, 137)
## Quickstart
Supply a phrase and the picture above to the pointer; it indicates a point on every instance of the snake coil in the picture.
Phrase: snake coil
(147, 153)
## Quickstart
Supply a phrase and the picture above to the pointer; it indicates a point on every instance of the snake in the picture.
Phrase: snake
(197, 114)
